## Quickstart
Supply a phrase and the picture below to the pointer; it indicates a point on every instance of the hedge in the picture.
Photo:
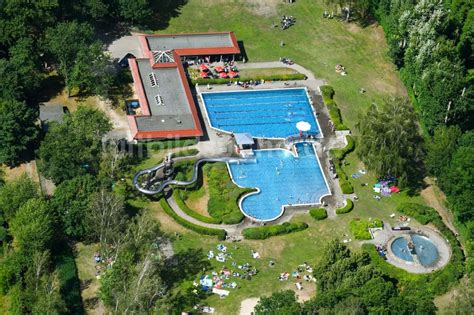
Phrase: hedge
(344, 183)
(276, 77)
(170, 144)
(347, 208)
(264, 232)
(221, 234)
(327, 93)
(340, 154)
(183, 206)
(360, 229)
(187, 152)
(318, 213)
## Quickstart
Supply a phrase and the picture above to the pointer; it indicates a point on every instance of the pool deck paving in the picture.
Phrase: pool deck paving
(216, 144)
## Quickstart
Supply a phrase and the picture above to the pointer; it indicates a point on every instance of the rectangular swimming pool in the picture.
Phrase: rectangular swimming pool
(262, 113)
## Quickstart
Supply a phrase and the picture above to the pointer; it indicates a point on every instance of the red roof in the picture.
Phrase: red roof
(158, 134)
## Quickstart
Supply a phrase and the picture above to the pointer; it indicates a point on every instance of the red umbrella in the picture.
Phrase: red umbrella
(233, 74)
(223, 75)
(219, 69)
(203, 67)
(203, 75)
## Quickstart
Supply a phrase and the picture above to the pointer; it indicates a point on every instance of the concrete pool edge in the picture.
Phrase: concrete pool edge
(283, 207)
(310, 101)
(442, 245)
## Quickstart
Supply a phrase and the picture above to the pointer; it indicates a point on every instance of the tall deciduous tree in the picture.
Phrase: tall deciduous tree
(32, 227)
(389, 141)
(135, 11)
(80, 58)
(15, 194)
(17, 131)
(440, 149)
(73, 147)
(72, 202)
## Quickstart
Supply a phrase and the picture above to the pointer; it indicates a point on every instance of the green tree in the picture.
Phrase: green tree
(17, 131)
(135, 11)
(80, 59)
(458, 183)
(15, 194)
(282, 302)
(440, 149)
(389, 141)
(72, 202)
(73, 147)
(32, 227)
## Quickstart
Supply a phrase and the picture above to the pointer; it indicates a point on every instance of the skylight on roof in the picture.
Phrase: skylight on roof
(163, 56)
(153, 80)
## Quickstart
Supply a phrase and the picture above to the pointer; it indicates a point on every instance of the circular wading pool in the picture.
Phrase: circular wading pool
(415, 247)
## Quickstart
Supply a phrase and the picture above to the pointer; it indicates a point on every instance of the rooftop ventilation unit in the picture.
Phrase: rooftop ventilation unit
(153, 80)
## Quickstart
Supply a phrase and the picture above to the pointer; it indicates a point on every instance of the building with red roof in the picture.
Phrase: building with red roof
(166, 106)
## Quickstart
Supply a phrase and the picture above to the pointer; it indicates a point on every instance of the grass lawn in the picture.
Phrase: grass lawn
(86, 271)
(314, 42)
(318, 44)
(252, 73)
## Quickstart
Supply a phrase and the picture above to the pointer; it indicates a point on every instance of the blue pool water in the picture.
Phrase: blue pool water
(262, 113)
(282, 179)
(425, 249)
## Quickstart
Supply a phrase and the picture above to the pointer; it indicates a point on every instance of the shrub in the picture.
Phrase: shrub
(360, 230)
(187, 152)
(346, 187)
(276, 77)
(264, 232)
(340, 154)
(327, 92)
(221, 234)
(183, 206)
(347, 208)
(318, 213)
(170, 144)
(421, 213)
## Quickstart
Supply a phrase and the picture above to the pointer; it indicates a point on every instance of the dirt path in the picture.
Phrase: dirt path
(435, 199)
(247, 306)
(119, 122)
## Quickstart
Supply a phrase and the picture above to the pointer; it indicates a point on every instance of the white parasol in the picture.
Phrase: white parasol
(303, 126)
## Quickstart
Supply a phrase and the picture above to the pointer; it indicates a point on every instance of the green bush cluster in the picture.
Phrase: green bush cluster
(360, 230)
(183, 206)
(347, 208)
(276, 77)
(318, 213)
(340, 154)
(264, 232)
(221, 234)
(187, 152)
(170, 144)
(327, 93)
(421, 213)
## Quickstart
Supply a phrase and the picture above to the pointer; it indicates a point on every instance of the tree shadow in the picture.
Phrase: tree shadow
(184, 265)
(164, 10)
(50, 87)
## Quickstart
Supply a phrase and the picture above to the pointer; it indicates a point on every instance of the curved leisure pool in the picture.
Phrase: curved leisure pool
(282, 179)
(425, 249)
